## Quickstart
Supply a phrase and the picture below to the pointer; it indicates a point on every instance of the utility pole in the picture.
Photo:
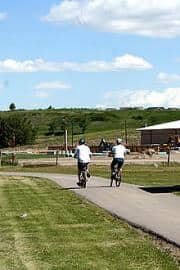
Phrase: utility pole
(57, 156)
(169, 154)
(125, 131)
(72, 130)
(66, 140)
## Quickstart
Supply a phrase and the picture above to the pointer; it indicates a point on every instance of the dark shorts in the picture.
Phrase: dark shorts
(117, 161)
(82, 166)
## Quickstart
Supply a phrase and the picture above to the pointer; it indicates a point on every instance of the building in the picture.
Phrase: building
(161, 134)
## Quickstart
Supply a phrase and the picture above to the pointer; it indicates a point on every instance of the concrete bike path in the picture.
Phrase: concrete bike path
(155, 213)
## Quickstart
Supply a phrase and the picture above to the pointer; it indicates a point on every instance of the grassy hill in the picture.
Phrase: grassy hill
(98, 123)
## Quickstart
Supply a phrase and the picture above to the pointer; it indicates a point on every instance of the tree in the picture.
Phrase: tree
(16, 130)
(83, 123)
(12, 106)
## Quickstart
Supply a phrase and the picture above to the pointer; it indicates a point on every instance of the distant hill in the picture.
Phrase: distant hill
(92, 121)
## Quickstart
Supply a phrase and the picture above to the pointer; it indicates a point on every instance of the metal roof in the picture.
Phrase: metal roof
(168, 125)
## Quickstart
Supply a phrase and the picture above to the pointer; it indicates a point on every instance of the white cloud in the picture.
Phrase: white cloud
(169, 97)
(147, 18)
(4, 84)
(55, 85)
(126, 61)
(1, 86)
(3, 16)
(46, 89)
(42, 94)
(167, 78)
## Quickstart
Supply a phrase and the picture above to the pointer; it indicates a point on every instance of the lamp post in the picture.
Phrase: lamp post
(72, 130)
(64, 122)
(125, 129)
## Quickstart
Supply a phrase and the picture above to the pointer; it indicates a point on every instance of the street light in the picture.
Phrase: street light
(72, 133)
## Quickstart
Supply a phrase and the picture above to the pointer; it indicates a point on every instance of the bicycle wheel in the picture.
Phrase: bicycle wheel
(111, 182)
(84, 184)
(118, 180)
(84, 179)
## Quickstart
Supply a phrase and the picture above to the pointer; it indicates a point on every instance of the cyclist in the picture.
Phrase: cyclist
(118, 152)
(83, 155)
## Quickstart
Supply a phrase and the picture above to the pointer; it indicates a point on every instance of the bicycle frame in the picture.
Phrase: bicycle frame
(116, 175)
(83, 176)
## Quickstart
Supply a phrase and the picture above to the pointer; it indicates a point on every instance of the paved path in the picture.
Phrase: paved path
(155, 213)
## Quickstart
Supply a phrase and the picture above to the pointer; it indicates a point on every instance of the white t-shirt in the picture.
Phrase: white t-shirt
(119, 151)
(83, 153)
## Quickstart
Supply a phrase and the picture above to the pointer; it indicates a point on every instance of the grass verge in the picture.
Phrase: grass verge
(145, 175)
(64, 231)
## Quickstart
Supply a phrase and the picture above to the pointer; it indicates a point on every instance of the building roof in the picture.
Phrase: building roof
(168, 125)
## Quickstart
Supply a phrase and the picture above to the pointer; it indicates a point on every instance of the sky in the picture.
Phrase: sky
(89, 53)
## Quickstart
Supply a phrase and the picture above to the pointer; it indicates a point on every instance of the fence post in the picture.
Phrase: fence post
(57, 157)
(169, 155)
(13, 158)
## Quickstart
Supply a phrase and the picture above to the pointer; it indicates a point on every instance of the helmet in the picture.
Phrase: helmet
(118, 141)
(82, 141)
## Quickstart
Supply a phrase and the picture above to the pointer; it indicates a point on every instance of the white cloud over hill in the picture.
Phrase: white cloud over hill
(169, 97)
(3, 16)
(167, 78)
(46, 89)
(126, 61)
(147, 18)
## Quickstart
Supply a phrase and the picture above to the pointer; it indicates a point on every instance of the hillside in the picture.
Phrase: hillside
(94, 123)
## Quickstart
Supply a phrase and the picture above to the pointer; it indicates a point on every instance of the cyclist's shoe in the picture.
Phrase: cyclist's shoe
(88, 175)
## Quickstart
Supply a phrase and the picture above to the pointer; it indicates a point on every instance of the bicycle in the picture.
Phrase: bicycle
(83, 176)
(116, 175)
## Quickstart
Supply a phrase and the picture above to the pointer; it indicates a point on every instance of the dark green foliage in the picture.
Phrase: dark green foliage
(137, 117)
(16, 130)
(12, 106)
(93, 120)
(84, 122)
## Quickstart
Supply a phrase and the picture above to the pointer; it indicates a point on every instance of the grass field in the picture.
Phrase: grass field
(145, 175)
(99, 124)
(63, 231)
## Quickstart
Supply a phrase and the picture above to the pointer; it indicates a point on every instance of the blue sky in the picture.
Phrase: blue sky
(98, 53)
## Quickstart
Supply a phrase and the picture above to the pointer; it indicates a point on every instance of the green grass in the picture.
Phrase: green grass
(101, 124)
(145, 175)
(63, 231)
(27, 156)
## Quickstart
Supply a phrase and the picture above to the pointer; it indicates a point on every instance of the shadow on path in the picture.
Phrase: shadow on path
(163, 189)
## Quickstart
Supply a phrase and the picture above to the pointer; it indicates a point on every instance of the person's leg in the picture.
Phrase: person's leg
(79, 173)
(113, 164)
(120, 165)
(112, 171)
(87, 169)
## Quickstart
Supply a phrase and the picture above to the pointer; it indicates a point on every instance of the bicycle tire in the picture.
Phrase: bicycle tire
(84, 184)
(111, 182)
(84, 179)
(118, 181)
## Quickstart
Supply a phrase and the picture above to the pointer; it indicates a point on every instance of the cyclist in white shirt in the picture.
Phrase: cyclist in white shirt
(118, 152)
(83, 155)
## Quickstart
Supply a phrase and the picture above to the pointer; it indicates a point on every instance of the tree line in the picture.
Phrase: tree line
(77, 125)
(16, 130)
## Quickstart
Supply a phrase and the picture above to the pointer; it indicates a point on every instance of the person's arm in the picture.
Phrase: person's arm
(90, 153)
(76, 153)
(112, 152)
(126, 150)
